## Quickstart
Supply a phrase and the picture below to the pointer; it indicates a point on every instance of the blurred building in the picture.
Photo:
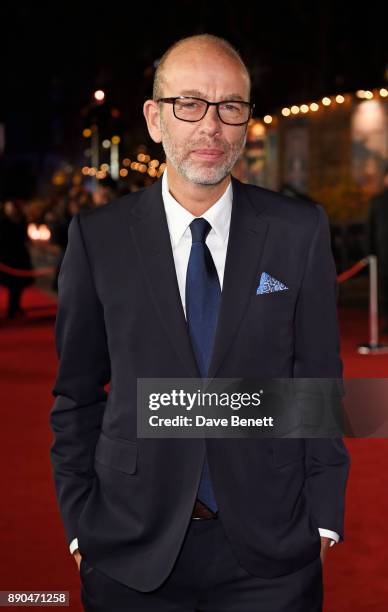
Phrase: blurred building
(334, 149)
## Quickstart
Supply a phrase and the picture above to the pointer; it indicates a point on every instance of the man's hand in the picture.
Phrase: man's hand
(325, 545)
(77, 556)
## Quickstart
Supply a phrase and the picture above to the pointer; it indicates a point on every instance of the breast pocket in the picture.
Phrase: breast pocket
(117, 454)
(286, 294)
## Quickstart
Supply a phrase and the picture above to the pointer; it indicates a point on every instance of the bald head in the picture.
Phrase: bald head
(190, 48)
(200, 150)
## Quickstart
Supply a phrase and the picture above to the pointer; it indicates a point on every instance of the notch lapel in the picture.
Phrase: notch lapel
(247, 236)
(150, 233)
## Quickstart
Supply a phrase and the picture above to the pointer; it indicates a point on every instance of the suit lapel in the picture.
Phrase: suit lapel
(152, 239)
(248, 231)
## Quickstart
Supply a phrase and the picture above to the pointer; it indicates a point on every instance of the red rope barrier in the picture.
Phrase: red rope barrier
(34, 273)
(353, 270)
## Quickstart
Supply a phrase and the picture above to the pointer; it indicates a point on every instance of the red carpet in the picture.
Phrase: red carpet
(356, 571)
(33, 549)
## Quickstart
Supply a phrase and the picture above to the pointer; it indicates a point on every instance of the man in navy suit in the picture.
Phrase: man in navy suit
(197, 275)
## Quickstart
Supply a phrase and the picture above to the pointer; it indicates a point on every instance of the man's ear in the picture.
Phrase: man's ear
(151, 112)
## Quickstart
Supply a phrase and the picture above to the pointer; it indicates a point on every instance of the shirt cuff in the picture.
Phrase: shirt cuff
(326, 533)
(73, 545)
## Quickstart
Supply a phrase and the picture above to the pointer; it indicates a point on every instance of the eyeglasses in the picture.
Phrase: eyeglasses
(231, 112)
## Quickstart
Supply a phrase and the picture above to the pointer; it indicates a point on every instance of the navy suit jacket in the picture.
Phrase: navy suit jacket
(129, 500)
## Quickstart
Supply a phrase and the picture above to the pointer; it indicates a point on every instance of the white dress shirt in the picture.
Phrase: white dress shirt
(178, 221)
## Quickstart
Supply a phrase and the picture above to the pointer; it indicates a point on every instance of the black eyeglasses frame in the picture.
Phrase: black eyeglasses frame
(172, 101)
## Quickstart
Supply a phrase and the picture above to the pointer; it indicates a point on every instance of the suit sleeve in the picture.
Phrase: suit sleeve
(84, 370)
(317, 355)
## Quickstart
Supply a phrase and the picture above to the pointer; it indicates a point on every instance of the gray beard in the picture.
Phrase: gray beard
(200, 176)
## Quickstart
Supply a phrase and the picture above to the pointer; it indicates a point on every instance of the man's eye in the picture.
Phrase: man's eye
(234, 108)
(188, 105)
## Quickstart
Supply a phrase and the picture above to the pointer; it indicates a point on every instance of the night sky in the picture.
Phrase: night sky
(58, 54)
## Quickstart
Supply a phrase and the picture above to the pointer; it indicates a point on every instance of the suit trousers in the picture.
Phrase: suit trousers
(206, 577)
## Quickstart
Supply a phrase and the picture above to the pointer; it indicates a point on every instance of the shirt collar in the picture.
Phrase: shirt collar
(179, 219)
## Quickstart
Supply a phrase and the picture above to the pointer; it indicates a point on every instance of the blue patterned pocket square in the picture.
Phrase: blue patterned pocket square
(269, 284)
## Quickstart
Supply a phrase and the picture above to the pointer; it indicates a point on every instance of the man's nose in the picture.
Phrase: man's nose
(211, 122)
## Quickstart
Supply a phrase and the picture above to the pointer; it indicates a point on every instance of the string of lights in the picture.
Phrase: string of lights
(326, 101)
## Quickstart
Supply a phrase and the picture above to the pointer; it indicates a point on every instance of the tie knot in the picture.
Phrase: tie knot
(199, 229)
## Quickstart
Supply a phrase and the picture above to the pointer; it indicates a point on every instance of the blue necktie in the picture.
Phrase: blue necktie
(203, 294)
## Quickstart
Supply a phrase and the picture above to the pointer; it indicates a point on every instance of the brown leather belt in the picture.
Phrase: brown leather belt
(202, 512)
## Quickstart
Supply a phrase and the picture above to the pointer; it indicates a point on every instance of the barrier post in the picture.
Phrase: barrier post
(373, 303)
(373, 345)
